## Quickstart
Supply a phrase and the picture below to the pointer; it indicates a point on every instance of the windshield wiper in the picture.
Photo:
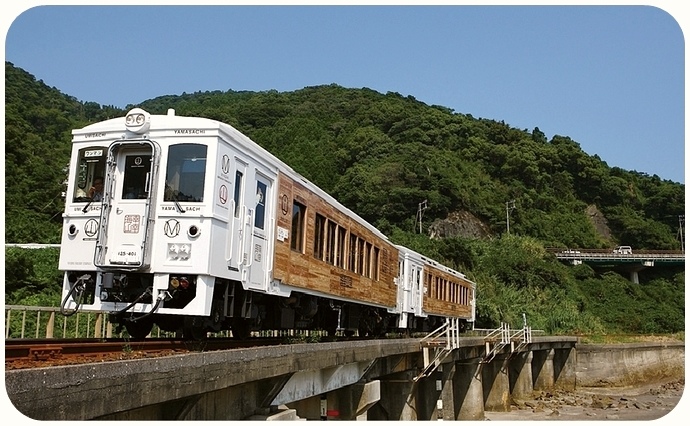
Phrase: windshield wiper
(179, 207)
(86, 207)
(177, 203)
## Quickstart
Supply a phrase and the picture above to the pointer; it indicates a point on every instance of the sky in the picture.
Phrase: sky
(609, 77)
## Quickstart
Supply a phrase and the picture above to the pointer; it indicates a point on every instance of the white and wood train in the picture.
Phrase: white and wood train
(200, 229)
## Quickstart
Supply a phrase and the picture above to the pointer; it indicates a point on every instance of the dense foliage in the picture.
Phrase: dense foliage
(381, 155)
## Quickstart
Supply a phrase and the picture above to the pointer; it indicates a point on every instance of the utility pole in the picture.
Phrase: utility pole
(509, 206)
(420, 212)
(681, 221)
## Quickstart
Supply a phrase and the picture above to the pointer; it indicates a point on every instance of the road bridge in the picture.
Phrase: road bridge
(632, 262)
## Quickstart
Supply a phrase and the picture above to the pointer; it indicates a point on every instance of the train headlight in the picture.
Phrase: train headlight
(173, 251)
(174, 282)
(138, 121)
(185, 251)
(72, 230)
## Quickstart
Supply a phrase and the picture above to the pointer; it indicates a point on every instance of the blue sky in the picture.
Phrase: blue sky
(609, 77)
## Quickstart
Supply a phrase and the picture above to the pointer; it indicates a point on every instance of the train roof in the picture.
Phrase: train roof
(159, 123)
(431, 262)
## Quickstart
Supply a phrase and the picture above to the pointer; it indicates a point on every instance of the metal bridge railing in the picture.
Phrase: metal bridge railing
(40, 322)
(37, 322)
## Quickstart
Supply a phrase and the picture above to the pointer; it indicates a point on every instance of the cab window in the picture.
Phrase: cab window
(90, 165)
(185, 173)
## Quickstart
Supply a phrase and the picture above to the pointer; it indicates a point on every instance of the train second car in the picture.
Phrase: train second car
(198, 229)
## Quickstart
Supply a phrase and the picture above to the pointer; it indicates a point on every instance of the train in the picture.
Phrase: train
(199, 229)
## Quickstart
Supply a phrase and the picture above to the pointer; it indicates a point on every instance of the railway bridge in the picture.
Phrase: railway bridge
(395, 379)
(446, 376)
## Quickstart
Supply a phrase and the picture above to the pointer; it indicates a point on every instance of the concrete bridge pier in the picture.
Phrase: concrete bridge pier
(354, 401)
(565, 368)
(520, 375)
(398, 398)
(461, 392)
(428, 394)
(496, 385)
(542, 369)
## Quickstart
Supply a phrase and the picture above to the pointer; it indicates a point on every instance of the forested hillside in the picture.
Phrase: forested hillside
(382, 155)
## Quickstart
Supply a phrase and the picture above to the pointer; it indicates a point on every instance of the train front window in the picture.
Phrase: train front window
(185, 173)
(90, 165)
(136, 180)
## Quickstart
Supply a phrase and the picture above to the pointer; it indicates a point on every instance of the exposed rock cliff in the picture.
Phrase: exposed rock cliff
(459, 224)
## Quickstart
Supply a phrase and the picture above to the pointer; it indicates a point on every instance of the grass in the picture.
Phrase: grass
(631, 338)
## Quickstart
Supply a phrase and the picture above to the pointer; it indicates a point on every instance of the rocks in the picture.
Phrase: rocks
(610, 403)
(459, 224)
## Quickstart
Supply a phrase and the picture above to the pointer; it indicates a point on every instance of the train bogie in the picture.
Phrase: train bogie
(199, 229)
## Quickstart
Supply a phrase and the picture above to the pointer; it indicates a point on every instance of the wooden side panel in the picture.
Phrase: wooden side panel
(445, 295)
(302, 269)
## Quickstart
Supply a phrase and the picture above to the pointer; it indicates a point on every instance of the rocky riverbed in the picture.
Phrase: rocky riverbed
(643, 402)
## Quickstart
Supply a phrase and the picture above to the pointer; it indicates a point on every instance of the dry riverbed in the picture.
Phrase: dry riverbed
(644, 402)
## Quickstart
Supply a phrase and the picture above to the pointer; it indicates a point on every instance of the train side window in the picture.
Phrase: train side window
(259, 219)
(367, 260)
(297, 237)
(360, 256)
(376, 263)
(340, 251)
(330, 242)
(185, 173)
(352, 260)
(319, 224)
(238, 191)
(91, 164)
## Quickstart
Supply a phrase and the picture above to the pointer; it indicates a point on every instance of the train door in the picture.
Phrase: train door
(234, 247)
(260, 251)
(127, 197)
(411, 291)
(416, 291)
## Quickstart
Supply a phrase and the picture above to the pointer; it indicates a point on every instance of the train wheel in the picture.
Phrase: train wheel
(364, 328)
(240, 328)
(193, 328)
(138, 330)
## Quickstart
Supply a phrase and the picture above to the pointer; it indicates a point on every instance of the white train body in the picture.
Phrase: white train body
(189, 229)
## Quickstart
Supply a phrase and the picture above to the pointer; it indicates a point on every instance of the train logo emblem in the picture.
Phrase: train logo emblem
(223, 194)
(226, 165)
(171, 228)
(137, 161)
(91, 227)
(284, 207)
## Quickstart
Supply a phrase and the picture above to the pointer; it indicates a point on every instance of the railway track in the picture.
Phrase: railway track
(36, 353)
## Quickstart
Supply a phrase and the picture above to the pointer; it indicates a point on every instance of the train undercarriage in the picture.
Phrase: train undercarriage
(234, 309)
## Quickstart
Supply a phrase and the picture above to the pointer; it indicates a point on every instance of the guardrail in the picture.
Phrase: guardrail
(22, 322)
(38, 322)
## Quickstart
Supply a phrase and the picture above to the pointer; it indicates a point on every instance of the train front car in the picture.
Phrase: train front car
(138, 245)
(196, 228)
